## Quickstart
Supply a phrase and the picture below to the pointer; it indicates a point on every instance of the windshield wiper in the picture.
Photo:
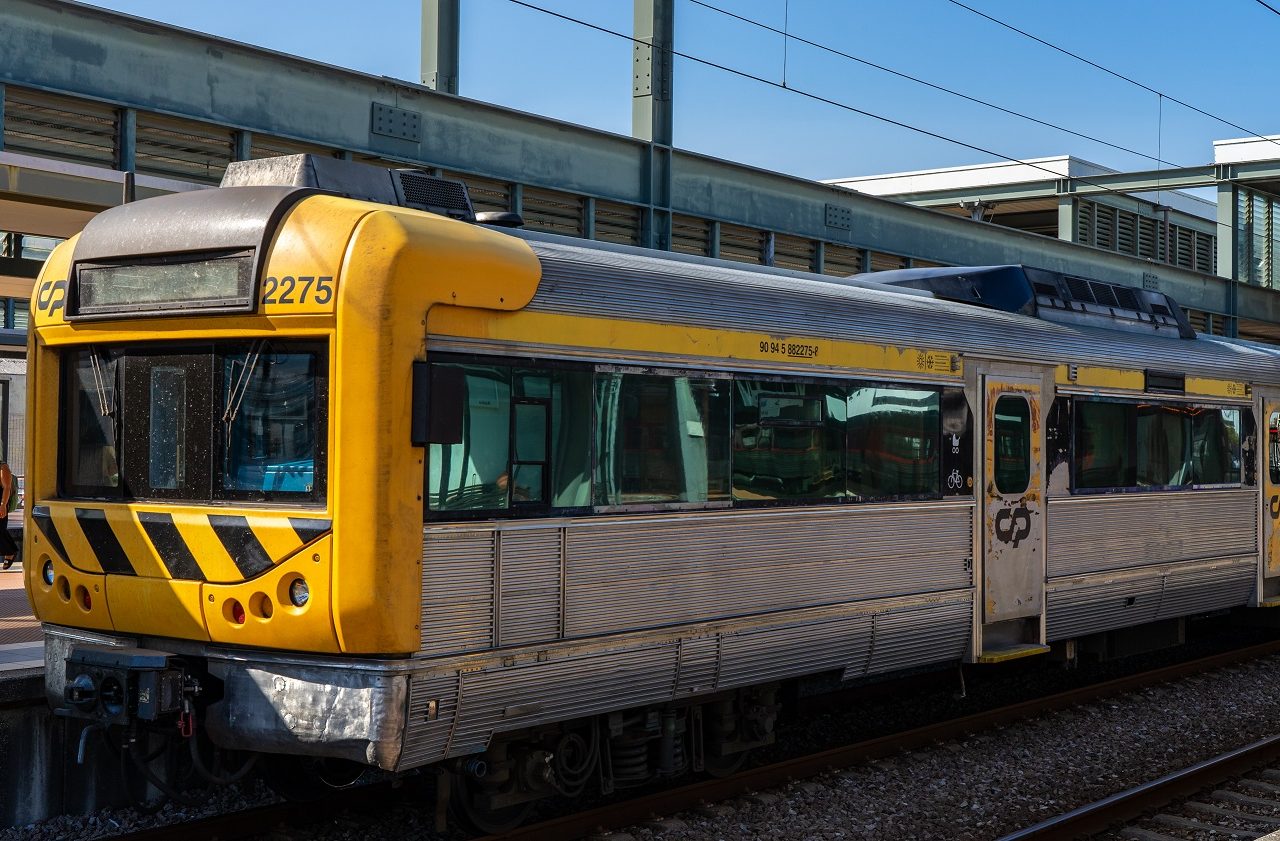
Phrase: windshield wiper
(106, 397)
(236, 395)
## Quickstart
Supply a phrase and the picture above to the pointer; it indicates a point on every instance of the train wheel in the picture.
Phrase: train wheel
(307, 779)
(725, 766)
(470, 808)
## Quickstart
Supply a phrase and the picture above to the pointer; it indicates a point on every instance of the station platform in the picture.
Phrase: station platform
(21, 645)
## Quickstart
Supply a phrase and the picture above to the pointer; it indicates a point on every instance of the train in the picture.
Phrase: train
(330, 469)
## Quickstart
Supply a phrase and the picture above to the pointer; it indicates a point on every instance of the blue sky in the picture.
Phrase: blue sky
(1209, 54)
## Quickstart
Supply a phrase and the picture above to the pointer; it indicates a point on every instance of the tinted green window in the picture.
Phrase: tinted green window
(787, 441)
(1163, 436)
(1012, 439)
(893, 442)
(525, 442)
(661, 439)
(1104, 449)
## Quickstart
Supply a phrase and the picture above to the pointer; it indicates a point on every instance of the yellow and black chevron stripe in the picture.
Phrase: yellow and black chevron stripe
(219, 548)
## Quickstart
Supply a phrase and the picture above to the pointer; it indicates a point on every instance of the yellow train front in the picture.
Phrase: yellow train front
(219, 414)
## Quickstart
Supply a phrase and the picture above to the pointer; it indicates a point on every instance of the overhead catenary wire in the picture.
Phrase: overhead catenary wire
(789, 36)
(1252, 134)
(823, 99)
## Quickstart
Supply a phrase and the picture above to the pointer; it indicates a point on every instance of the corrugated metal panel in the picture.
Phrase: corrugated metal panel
(757, 656)
(1105, 602)
(552, 211)
(185, 149)
(617, 222)
(1126, 232)
(690, 235)
(1118, 531)
(841, 260)
(426, 738)
(644, 573)
(51, 126)
(636, 285)
(529, 610)
(265, 146)
(699, 664)
(457, 590)
(916, 636)
(1206, 253)
(741, 244)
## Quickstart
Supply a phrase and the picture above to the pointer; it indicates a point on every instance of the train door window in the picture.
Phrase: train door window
(1273, 447)
(1012, 442)
(661, 439)
(787, 441)
(894, 433)
(1215, 447)
(91, 466)
(1105, 434)
(472, 474)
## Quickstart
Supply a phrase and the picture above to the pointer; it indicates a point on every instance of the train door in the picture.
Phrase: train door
(1012, 507)
(1270, 469)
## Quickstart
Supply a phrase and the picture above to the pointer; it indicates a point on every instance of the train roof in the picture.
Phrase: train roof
(606, 280)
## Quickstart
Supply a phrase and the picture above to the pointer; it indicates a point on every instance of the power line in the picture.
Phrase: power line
(817, 97)
(1269, 7)
(833, 51)
(1118, 75)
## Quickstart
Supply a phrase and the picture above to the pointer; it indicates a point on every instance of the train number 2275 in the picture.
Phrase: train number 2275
(296, 290)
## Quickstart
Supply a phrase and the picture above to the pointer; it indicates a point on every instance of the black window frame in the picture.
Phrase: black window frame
(132, 423)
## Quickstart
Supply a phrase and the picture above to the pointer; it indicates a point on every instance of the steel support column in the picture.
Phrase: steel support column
(1067, 218)
(1228, 249)
(1, 116)
(126, 139)
(441, 25)
(652, 111)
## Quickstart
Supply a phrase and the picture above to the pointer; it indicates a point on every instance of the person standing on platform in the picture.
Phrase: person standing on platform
(8, 504)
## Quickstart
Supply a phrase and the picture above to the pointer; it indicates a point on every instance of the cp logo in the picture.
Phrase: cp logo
(52, 296)
(1275, 507)
(1013, 525)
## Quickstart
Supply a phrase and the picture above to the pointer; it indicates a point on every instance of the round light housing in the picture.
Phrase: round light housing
(299, 592)
(46, 572)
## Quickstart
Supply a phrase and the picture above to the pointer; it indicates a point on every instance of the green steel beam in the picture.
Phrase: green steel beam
(441, 28)
(652, 111)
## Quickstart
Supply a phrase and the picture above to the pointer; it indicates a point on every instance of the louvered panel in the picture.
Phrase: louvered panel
(690, 235)
(185, 149)
(1206, 252)
(1186, 248)
(1149, 237)
(699, 665)
(1126, 232)
(1116, 531)
(918, 636)
(744, 245)
(927, 264)
(457, 590)
(616, 222)
(1084, 222)
(881, 262)
(552, 211)
(265, 146)
(426, 738)
(1105, 227)
(531, 693)
(529, 610)
(1199, 320)
(1201, 591)
(751, 657)
(737, 563)
(841, 260)
(59, 127)
(487, 194)
(791, 252)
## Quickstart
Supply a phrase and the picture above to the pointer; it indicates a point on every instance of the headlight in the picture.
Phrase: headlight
(46, 572)
(299, 592)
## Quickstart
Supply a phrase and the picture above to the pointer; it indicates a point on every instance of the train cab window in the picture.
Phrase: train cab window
(787, 441)
(893, 440)
(661, 439)
(1273, 447)
(91, 412)
(1012, 441)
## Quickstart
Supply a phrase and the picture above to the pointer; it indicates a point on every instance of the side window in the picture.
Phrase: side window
(1164, 441)
(787, 441)
(1104, 453)
(1012, 442)
(893, 442)
(661, 439)
(472, 474)
(1273, 447)
(1215, 447)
